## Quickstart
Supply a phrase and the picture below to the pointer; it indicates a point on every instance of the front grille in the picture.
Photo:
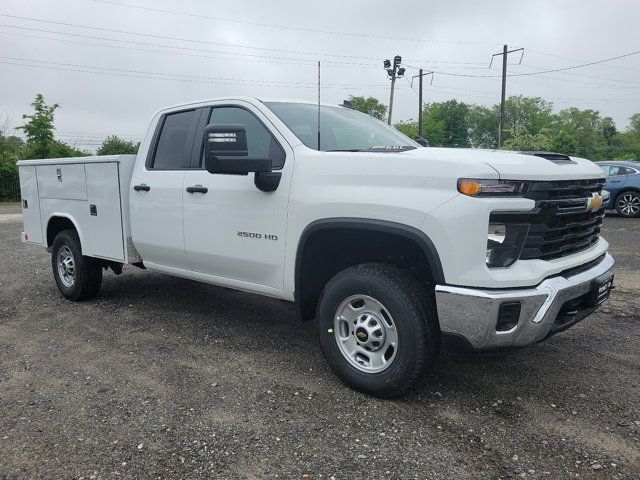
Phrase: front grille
(564, 225)
(564, 189)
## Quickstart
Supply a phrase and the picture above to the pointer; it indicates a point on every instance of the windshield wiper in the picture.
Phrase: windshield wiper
(347, 150)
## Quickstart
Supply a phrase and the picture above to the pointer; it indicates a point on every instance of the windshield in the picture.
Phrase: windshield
(341, 128)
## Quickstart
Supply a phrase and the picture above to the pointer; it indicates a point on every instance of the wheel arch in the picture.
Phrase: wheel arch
(625, 190)
(56, 223)
(614, 202)
(389, 235)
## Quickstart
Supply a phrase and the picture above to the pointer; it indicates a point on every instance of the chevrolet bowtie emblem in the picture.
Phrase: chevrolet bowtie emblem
(595, 202)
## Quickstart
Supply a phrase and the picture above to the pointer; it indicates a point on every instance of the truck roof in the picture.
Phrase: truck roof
(246, 99)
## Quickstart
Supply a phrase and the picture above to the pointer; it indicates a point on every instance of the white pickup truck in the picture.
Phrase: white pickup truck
(394, 248)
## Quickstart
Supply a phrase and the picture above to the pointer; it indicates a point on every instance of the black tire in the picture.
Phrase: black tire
(87, 272)
(628, 204)
(412, 311)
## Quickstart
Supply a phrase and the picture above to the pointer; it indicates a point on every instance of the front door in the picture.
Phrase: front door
(232, 230)
(156, 191)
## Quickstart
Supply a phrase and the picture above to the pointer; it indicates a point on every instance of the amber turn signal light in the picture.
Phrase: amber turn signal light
(469, 187)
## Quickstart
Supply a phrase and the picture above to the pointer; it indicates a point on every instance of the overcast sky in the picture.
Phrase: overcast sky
(111, 77)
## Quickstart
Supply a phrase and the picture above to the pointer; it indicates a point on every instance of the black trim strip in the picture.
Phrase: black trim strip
(406, 231)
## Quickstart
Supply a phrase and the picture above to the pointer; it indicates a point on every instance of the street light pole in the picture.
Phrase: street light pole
(395, 71)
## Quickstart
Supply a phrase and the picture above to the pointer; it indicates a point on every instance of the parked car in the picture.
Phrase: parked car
(394, 248)
(623, 182)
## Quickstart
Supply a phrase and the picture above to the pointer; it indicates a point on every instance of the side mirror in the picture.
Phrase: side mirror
(225, 151)
(422, 141)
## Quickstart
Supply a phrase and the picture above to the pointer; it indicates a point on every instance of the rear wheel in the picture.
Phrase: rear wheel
(628, 204)
(78, 277)
(378, 329)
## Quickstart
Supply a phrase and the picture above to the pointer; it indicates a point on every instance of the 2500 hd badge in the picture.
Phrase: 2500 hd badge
(266, 236)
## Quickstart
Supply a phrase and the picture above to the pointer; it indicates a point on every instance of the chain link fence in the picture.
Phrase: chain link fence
(9, 187)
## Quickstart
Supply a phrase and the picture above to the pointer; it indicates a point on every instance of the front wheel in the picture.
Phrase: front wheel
(628, 204)
(78, 277)
(378, 329)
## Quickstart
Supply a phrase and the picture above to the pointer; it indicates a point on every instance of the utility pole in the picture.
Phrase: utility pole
(393, 72)
(505, 53)
(421, 74)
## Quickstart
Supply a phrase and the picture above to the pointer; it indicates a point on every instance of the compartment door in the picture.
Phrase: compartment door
(64, 181)
(30, 205)
(102, 225)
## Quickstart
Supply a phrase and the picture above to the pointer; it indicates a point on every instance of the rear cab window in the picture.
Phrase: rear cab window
(174, 141)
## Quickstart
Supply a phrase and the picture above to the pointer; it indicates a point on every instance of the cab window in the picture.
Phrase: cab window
(173, 147)
(260, 142)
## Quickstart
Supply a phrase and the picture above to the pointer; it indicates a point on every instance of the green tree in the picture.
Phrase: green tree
(114, 145)
(369, 105)
(39, 128)
(446, 124)
(483, 126)
(11, 150)
(522, 140)
(531, 113)
(586, 129)
(628, 142)
(564, 142)
(59, 149)
(408, 127)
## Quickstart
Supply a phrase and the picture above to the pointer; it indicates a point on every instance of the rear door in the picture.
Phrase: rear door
(233, 230)
(156, 191)
(616, 178)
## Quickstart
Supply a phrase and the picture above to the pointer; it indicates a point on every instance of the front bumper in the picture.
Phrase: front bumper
(469, 316)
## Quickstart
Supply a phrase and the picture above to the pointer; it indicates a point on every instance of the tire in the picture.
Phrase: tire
(380, 303)
(628, 204)
(78, 277)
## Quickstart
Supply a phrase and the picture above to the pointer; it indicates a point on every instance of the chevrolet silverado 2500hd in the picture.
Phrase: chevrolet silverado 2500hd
(394, 248)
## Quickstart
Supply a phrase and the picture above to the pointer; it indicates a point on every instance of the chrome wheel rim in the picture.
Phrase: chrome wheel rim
(629, 204)
(66, 267)
(365, 333)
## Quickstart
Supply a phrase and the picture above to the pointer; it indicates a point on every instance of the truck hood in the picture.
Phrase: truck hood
(512, 165)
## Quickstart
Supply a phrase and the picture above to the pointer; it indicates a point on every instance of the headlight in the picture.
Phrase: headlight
(504, 243)
(475, 188)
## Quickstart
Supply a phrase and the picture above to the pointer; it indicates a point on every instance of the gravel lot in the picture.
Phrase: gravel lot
(166, 378)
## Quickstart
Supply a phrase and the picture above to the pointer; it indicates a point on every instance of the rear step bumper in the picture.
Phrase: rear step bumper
(473, 319)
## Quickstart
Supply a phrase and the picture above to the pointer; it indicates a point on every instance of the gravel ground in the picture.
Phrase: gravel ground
(166, 378)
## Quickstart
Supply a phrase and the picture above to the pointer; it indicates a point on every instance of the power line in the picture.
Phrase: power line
(236, 56)
(231, 45)
(580, 60)
(92, 37)
(169, 76)
(289, 27)
(577, 66)
(584, 76)
(526, 74)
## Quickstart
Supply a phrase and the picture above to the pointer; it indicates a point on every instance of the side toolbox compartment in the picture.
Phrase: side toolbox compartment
(64, 181)
(30, 205)
(102, 225)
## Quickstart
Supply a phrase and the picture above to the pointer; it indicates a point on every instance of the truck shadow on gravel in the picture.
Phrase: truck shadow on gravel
(547, 392)
(253, 323)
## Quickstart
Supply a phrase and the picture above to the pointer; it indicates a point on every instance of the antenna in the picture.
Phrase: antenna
(318, 105)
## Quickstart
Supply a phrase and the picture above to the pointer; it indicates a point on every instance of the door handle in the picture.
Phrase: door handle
(143, 186)
(615, 181)
(197, 189)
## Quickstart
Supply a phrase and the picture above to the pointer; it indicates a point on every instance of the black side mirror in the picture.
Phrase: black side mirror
(225, 151)
(422, 141)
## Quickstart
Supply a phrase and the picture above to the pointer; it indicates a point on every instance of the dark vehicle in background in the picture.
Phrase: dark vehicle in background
(623, 182)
